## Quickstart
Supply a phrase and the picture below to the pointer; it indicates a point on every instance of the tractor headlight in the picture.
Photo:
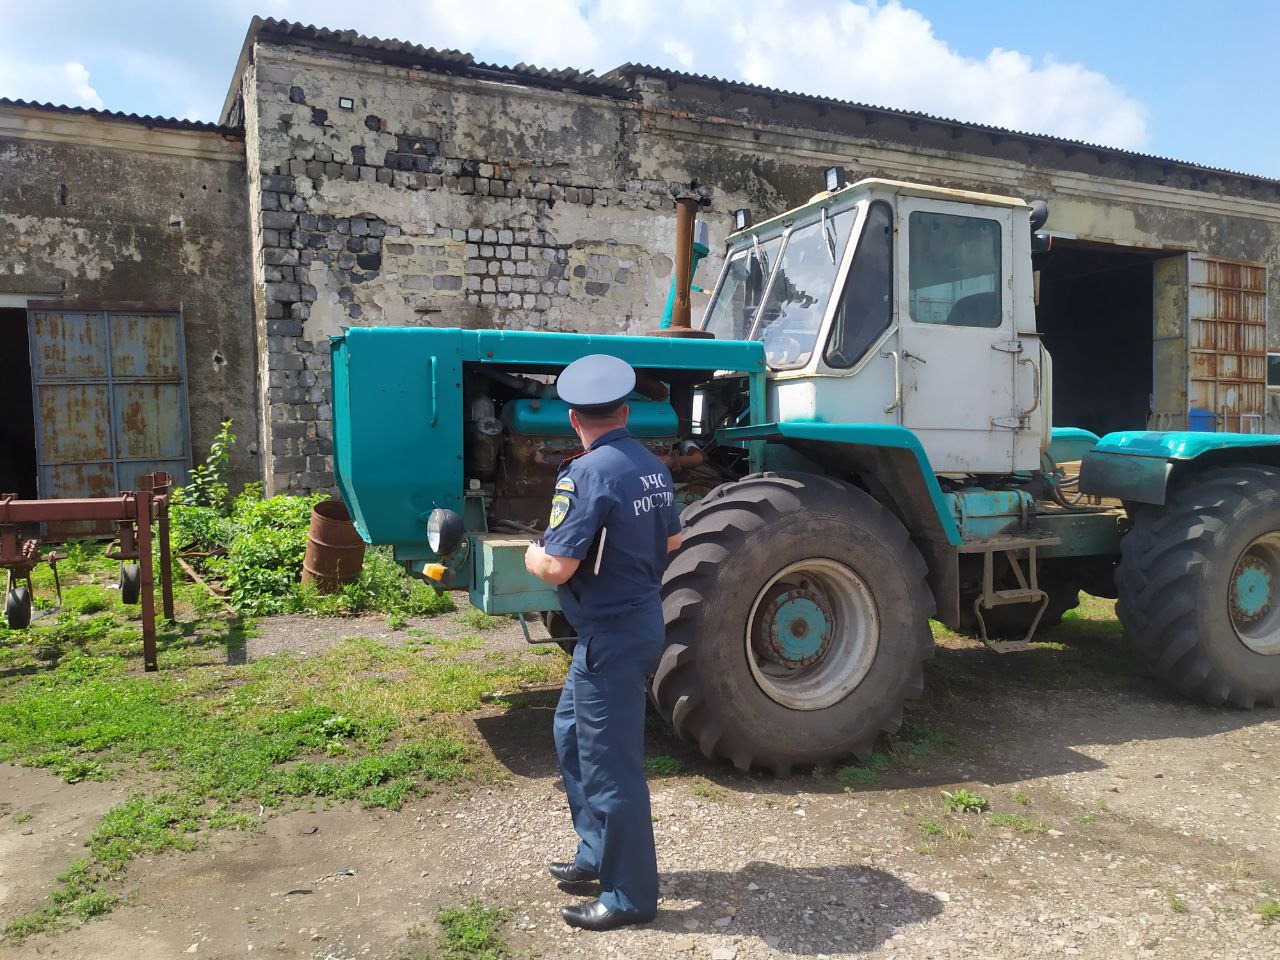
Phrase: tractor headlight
(444, 531)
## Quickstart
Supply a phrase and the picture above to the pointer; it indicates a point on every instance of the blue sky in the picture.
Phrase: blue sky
(1190, 81)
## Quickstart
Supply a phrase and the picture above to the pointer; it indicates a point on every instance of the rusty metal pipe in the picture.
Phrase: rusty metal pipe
(681, 312)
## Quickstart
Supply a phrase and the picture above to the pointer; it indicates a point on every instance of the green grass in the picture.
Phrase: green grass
(1269, 911)
(1176, 903)
(22, 817)
(914, 743)
(964, 801)
(472, 932)
(661, 765)
(1018, 823)
(1022, 799)
(931, 827)
(479, 620)
(359, 722)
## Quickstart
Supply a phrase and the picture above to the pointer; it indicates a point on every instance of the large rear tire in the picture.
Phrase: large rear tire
(1199, 584)
(797, 619)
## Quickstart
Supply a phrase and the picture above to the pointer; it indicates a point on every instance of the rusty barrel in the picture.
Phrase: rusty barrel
(335, 552)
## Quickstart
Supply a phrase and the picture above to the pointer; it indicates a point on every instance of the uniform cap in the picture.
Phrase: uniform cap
(596, 384)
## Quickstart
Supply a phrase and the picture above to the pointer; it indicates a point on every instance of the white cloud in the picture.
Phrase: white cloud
(888, 55)
(51, 82)
(679, 52)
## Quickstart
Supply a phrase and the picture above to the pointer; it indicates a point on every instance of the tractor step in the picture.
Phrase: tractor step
(1028, 588)
(1010, 646)
(999, 598)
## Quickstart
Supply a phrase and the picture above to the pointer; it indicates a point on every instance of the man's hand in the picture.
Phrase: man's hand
(554, 570)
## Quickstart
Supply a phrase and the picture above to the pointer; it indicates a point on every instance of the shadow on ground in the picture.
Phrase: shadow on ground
(1008, 717)
(764, 897)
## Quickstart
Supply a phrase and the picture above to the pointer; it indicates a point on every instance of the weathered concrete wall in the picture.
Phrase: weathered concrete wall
(435, 201)
(102, 210)
(449, 200)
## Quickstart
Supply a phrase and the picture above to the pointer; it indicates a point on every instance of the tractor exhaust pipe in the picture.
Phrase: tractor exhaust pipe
(681, 307)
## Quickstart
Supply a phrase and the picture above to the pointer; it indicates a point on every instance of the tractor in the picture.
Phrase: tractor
(861, 438)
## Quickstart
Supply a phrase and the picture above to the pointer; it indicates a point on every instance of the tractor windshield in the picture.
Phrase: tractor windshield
(733, 310)
(799, 284)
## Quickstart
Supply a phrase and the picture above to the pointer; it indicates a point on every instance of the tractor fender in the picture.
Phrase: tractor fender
(889, 461)
(1138, 465)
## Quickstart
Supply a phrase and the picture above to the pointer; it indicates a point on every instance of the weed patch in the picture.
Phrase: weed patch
(479, 620)
(471, 932)
(1020, 824)
(964, 801)
(707, 790)
(1269, 911)
(662, 765)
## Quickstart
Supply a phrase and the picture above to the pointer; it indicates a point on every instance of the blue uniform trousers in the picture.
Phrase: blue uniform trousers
(599, 734)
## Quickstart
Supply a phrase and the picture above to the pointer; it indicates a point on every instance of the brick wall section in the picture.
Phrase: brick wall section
(409, 209)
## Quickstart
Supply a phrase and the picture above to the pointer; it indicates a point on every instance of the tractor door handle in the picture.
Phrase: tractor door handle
(1035, 381)
(897, 379)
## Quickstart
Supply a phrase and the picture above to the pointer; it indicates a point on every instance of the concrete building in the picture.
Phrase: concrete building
(387, 183)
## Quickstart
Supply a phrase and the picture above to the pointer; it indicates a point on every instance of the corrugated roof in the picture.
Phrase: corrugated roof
(403, 52)
(628, 71)
(620, 83)
(167, 123)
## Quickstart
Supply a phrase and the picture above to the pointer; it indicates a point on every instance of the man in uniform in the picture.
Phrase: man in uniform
(613, 522)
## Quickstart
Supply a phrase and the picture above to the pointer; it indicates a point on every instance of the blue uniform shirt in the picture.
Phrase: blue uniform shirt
(620, 487)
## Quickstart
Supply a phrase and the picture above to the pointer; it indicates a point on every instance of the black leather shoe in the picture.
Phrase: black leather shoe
(571, 873)
(596, 916)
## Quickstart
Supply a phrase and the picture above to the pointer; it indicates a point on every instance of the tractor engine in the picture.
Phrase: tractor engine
(517, 433)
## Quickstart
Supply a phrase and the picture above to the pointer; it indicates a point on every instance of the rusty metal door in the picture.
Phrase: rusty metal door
(110, 399)
(1227, 342)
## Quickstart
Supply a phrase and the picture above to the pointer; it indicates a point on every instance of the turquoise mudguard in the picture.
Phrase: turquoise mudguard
(1136, 465)
(891, 453)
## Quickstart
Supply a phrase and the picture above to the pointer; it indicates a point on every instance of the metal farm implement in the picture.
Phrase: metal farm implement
(133, 513)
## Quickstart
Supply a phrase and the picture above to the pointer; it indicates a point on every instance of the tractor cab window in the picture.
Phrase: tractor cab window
(733, 309)
(954, 270)
(866, 305)
(788, 321)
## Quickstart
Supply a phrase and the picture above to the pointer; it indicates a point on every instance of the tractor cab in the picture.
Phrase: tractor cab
(893, 303)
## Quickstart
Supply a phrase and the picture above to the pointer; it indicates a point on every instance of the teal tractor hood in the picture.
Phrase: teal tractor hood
(398, 413)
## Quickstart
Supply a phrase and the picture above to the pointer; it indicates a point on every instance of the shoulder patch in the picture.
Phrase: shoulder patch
(566, 483)
(560, 505)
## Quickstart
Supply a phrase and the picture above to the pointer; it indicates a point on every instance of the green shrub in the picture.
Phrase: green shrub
(262, 541)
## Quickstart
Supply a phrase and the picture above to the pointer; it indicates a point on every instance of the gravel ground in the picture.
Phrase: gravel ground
(1150, 830)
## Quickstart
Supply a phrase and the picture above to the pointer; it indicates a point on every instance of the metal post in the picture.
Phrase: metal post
(142, 500)
(159, 485)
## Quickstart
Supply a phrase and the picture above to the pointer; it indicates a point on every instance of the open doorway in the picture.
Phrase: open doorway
(17, 417)
(1097, 317)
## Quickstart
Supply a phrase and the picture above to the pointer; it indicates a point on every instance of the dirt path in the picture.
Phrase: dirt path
(1149, 828)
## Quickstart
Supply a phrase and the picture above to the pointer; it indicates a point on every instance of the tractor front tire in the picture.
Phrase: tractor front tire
(797, 619)
(1199, 585)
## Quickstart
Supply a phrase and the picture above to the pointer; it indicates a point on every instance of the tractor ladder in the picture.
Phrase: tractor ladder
(1028, 588)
